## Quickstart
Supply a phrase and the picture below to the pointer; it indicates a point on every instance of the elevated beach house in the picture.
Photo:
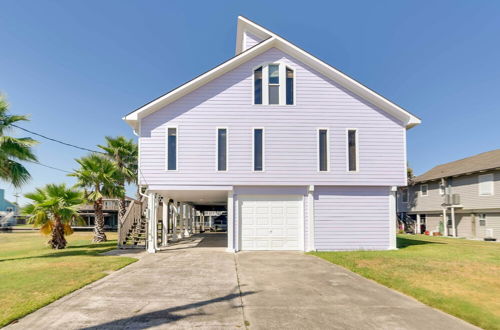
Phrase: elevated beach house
(460, 198)
(300, 155)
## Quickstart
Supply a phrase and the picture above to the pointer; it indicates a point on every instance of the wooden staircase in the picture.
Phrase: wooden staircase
(132, 230)
(136, 236)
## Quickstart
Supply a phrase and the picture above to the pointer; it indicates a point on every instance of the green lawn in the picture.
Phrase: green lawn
(460, 277)
(33, 275)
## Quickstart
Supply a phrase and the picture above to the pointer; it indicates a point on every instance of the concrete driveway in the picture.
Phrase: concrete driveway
(197, 285)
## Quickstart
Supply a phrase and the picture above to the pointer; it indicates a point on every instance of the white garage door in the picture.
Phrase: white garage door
(271, 222)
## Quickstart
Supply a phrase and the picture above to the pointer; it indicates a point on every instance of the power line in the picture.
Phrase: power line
(58, 141)
(48, 166)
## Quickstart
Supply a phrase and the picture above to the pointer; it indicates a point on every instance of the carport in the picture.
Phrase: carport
(179, 212)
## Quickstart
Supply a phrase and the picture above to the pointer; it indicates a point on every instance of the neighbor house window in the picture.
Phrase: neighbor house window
(482, 219)
(423, 219)
(172, 149)
(352, 150)
(323, 149)
(404, 195)
(486, 184)
(258, 85)
(442, 189)
(221, 149)
(274, 85)
(424, 189)
(258, 149)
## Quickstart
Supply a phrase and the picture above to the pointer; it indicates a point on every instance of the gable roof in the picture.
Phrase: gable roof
(272, 40)
(478, 163)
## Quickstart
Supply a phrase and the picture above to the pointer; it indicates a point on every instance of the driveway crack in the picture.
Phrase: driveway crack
(245, 321)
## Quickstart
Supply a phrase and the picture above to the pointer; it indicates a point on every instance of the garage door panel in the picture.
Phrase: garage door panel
(271, 222)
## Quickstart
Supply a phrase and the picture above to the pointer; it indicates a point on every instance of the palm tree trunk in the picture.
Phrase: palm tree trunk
(99, 235)
(122, 208)
(57, 241)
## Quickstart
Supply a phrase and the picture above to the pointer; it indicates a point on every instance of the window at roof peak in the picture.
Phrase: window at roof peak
(274, 84)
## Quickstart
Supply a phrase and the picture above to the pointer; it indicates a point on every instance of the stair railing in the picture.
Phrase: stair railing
(132, 216)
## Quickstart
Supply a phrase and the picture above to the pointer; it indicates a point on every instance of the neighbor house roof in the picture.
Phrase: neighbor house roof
(271, 40)
(478, 163)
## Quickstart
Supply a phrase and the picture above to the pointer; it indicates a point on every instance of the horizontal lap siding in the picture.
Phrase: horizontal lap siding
(290, 134)
(251, 40)
(351, 218)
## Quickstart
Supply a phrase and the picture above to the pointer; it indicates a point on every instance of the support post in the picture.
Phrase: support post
(152, 240)
(417, 227)
(310, 219)
(175, 217)
(392, 219)
(185, 215)
(164, 238)
(453, 227)
(230, 221)
(445, 223)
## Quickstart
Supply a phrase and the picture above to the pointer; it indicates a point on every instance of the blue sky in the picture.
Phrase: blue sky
(78, 66)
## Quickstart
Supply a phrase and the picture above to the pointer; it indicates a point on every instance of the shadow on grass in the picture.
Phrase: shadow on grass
(406, 242)
(69, 251)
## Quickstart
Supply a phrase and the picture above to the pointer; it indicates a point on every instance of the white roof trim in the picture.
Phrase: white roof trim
(273, 40)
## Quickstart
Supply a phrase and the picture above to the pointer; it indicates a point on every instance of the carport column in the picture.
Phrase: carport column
(392, 218)
(164, 238)
(310, 218)
(185, 214)
(417, 227)
(230, 221)
(175, 215)
(152, 223)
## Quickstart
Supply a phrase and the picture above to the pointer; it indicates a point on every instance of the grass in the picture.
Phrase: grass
(460, 277)
(33, 275)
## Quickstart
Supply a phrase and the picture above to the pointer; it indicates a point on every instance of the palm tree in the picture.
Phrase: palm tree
(53, 207)
(99, 177)
(13, 150)
(123, 152)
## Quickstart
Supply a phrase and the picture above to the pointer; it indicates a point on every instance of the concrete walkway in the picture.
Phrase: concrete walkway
(190, 286)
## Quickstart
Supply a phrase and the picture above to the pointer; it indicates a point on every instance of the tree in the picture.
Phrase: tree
(123, 152)
(100, 178)
(13, 150)
(53, 208)
(409, 175)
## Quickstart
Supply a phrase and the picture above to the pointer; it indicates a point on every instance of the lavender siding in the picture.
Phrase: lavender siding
(290, 134)
(351, 218)
(254, 190)
(250, 40)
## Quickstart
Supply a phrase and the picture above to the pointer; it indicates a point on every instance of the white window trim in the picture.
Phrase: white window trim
(263, 149)
(442, 189)
(426, 190)
(265, 84)
(217, 148)
(491, 181)
(327, 150)
(347, 150)
(176, 148)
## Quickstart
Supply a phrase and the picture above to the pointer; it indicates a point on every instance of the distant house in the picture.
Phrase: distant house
(461, 198)
(110, 208)
(8, 210)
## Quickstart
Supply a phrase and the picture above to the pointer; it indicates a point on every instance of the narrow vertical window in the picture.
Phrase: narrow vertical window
(221, 149)
(274, 84)
(258, 152)
(258, 86)
(289, 86)
(172, 149)
(352, 150)
(323, 149)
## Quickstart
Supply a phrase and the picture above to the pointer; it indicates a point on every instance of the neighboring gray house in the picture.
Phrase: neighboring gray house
(465, 192)
(302, 156)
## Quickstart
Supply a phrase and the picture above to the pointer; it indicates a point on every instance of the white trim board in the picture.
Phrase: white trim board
(408, 119)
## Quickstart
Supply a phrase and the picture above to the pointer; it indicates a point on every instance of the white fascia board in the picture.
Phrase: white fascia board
(133, 117)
